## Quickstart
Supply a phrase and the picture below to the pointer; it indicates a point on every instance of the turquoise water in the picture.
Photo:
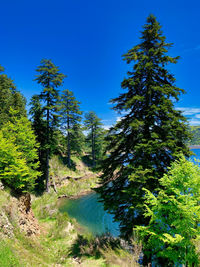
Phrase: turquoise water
(90, 213)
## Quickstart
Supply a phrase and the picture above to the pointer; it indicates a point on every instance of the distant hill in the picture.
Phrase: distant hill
(195, 130)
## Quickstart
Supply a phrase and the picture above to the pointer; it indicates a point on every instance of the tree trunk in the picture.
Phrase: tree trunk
(93, 148)
(68, 144)
(48, 149)
(54, 184)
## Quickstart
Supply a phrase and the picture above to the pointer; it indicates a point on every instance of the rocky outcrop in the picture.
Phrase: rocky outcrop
(17, 212)
(27, 221)
(1, 186)
(6, 228)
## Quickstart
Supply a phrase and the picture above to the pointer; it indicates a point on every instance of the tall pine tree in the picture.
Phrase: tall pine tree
(39, 126)
(9, 98)
(93, 125)
(148, 138)
(71, 117)
(50, 79)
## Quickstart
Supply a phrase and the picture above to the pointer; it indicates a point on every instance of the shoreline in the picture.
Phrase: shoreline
(194, 147)
(81, 194)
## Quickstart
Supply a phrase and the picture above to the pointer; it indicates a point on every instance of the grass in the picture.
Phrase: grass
(8, 257)
(61, 242)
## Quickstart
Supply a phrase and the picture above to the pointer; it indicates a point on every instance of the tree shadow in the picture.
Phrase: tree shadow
(64, 161)
(93, 246)
(87, 160)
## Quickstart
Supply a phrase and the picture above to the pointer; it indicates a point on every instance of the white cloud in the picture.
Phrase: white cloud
(107, 127)
(197, 116)
(118, 118)
(194, 122)
(189, 111)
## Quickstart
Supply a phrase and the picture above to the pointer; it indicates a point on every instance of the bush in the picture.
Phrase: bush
(174, 215)
(18, 155)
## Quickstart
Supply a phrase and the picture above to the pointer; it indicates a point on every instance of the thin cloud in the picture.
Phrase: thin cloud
(107, 127)
(194, 122)
(189, 111)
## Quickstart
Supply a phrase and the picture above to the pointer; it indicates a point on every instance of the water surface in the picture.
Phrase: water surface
(90, 213)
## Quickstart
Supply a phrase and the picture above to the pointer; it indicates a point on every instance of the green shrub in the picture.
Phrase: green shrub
(174, 215)
(18, 155)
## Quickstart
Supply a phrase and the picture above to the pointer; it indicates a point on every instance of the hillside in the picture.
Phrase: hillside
(195, 131)
(34, 232)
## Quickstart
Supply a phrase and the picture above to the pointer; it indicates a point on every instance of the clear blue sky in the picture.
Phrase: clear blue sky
(86, 39)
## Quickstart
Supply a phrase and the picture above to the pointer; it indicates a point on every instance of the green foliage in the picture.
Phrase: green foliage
(18, 154)
(7, 256)
(13, 169)
(70, 121)
(95, 135)
(77, 140)
(39, 126)
(174, 216)
(9, 97)
(195, 132)
(150, 134)
(50, 79)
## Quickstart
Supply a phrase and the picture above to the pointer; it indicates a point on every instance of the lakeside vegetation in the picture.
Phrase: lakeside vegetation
(139, 167)
(195, 140)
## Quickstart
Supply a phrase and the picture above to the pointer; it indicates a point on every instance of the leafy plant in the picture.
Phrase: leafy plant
(174, 215)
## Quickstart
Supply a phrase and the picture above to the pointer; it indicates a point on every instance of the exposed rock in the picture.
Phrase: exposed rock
(27, 221)
(69, 228)
(1, 186)
(63, 196)
(6, 228)
(53, 212)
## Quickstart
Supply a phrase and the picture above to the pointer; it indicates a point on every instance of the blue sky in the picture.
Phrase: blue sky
(86, 39)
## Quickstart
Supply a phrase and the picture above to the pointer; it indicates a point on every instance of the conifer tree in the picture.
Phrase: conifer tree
(77, 139)
(50, 79)
(150, 134)
(9, 98)
(39, 126)
(70, 120)
(93, 125)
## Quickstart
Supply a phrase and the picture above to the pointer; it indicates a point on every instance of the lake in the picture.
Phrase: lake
(90, 213)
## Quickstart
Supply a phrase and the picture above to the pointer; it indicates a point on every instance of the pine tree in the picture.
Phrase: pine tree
(50, 79)
(150, 134)
(71, 117)
(77, 139)
(93, 125)
(9, 98)
(39, 126)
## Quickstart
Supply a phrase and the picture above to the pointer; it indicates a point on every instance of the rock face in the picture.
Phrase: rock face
(1, 186)
(27, 221)
(17, 211)
(5, 226)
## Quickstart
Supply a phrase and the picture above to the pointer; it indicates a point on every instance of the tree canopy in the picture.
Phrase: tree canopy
(150, 134)
(174, 217)
(70, 120)
(50, 78)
